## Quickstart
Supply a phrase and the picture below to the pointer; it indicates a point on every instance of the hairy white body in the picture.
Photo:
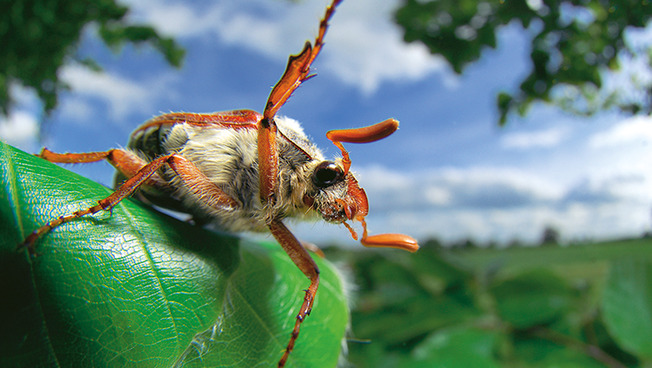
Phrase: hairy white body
(228, 157)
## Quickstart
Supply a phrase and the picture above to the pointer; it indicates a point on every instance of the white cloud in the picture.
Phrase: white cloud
(364, 46)
(367, 47)
(536, 139)
(77, 108)
(20, 129)
(472, 187)
(637, 129)
(504, 203)
(122, 95)
(438, 196)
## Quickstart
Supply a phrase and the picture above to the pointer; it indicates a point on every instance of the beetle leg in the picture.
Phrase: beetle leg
(296, 72)
(307, 265)
(126, 162)
(313, 248)
(208, 192)
(107, 203)
(197, 182)
(129, 164)
(267, 160)
(235, 119)
(73, 158)
(298, 68)
(268, 179)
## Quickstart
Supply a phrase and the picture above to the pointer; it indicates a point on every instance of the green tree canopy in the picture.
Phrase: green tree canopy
(575, 42)
(38, 37)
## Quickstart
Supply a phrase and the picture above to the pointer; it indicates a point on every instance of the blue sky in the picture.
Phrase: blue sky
(449, 172)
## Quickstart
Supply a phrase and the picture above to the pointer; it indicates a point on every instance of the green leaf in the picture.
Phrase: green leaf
(547, 353)
(456, 347)
(627, 305)
(138, 288)
(531, 298)
(406, 297)
(573, 43)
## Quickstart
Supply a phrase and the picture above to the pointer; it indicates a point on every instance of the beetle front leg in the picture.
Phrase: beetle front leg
(307, 265)
(267, 160)
(268, 179)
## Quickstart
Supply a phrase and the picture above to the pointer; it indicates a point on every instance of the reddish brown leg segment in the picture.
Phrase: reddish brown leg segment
(127, 163)
(73, 158)
(198, 183)
(298, 68)
(267, 160)
(307, 265)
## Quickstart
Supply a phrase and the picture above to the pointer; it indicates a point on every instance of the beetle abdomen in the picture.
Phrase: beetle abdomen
(150, 141)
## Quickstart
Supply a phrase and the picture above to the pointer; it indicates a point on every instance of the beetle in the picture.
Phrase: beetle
(244, 171)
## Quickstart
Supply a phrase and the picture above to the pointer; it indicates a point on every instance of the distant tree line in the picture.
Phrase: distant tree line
(550, 236)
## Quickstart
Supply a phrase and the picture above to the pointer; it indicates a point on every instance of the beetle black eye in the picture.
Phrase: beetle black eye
(326, 174)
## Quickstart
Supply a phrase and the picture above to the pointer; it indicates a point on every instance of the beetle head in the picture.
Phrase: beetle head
(351, 203)
(337, 195)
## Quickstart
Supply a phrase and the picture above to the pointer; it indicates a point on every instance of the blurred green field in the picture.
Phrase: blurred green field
(583, 260)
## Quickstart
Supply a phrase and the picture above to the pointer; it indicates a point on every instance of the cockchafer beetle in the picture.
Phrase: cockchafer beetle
(244, 171)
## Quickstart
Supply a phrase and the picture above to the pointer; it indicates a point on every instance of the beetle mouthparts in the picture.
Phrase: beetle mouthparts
(354, 234)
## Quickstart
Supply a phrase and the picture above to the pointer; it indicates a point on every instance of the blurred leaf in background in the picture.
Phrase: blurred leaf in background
(575, 47)
(39, 37)
(627, 305)
(441, 308)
